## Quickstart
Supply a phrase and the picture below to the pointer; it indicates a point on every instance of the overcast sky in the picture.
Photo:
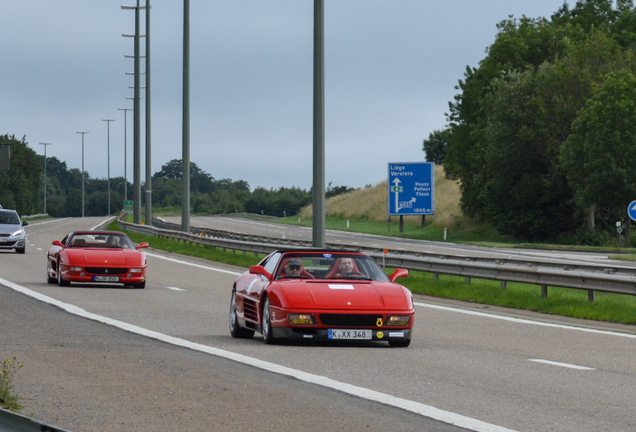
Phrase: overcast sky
(390, 70)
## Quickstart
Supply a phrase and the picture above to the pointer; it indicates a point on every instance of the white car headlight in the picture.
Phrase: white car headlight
(18, 233)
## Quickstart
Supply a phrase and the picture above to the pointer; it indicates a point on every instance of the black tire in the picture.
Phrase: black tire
(21, 250)
(61, 282)
(140, 285)
(266, 324)
(400, 343)
(236, 330)
(49, 279)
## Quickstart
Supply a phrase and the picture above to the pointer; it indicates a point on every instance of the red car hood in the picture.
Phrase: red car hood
(104, 257)
(345, 295)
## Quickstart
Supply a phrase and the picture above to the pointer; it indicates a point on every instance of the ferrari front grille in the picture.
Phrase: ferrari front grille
(106, 270)
(347, 320)
(250, 310)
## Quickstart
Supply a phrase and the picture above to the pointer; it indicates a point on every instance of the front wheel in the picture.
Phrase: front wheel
(140, 285)
(266, 325)
(60, 281)
(235, 329)
(49, 279)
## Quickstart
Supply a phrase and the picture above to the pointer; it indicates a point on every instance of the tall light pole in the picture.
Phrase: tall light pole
(148, 161)
(185, 177)
(83, 133)
(45, 145)
(318, 229)
(125, 110)
(136, 122)
(108, 147)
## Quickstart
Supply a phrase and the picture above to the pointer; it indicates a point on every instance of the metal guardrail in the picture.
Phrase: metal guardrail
(590, 277)
(12, 422)
(34, 216)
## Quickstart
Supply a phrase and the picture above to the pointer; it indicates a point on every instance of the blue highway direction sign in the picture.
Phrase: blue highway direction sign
(631, 210)
(411, 188)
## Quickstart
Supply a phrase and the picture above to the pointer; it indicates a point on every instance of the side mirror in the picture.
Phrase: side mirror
(24, 223)
(142, 245)
(398, 273)
(260, 270)
(57, 243)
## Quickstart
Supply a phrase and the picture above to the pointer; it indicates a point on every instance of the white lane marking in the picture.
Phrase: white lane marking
(39, 249)
(526, 321)
(49, 228)
(565, 365)
(361, 392)
(32, 224)
(175, 289)
(193, 264)
(103, 222)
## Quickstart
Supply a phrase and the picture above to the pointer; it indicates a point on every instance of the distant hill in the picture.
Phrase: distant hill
(371, 203)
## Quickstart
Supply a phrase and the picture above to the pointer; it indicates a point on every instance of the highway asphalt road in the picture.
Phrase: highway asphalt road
(162, 357)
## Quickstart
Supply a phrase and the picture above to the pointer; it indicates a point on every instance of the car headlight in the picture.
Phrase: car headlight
(301, 319)
(136, 270)
(397, 320)
(75, 268)
(18, 233)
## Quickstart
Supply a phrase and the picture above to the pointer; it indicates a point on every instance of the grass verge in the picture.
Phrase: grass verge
(481, 235)
(8, 399)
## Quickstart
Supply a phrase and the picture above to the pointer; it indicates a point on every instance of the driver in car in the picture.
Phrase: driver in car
(293, 268)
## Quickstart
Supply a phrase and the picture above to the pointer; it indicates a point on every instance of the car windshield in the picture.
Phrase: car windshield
(329, 266)
(111, 241)
(9, 218)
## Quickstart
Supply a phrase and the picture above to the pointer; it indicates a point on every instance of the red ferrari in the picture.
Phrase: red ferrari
(96, 257)
(321, 295)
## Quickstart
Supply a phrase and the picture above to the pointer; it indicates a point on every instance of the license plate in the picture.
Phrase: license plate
(3, 240)
(106, 278)
(350, 334)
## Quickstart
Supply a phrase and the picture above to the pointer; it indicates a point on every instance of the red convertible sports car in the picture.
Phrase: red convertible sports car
(96, 256)
(321, 294)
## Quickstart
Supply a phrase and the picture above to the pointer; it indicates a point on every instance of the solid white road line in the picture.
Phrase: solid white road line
(193, 264)
(386, 399)
(175, 289)
(565, 365)
(525, 321)
(102, 223)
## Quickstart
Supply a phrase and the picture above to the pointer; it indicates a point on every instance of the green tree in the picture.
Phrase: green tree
(599, 157)
(333, 191)
(514, 112)
(436, 145)
(200, 181)
(20, 186)
(519, 45)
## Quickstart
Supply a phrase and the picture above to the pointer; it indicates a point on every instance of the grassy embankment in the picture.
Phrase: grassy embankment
(366, 211)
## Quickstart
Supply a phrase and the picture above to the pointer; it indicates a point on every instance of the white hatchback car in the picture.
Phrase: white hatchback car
(12, 235)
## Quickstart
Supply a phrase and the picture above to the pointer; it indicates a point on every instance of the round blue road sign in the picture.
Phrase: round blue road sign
(631, 210)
